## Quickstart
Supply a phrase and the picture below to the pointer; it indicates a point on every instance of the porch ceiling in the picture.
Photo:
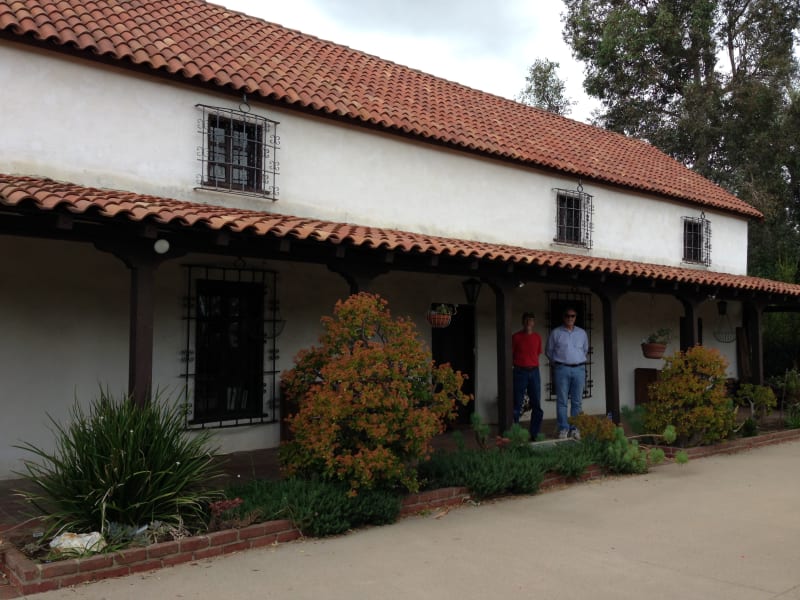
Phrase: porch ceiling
(43, 195)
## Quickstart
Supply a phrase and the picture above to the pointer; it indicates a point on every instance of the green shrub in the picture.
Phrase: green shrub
(749, 428)
(655, 456)
(480, 429)
(485, 472)
(369, 399)
(690, 394)
(571, 459)
(119, 463)
(792, 420)
(375, 507)
(517, 436)
(634, 417)
(316, 507)
(760, 399)
(623, 455)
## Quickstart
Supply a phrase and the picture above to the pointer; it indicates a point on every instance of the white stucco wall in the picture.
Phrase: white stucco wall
(102, 126)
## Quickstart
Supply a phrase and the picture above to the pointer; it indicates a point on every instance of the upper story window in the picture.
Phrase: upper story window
(574, 211)
(697, 240)
(238, 152)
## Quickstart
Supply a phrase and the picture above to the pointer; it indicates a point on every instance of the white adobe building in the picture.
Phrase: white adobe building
(185, 190)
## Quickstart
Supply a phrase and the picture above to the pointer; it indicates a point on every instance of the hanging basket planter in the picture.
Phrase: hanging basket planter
(439, 320)
(440, 315)
(653, 350)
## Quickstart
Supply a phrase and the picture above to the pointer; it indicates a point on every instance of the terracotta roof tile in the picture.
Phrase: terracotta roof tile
(197, 40)
(48, 195)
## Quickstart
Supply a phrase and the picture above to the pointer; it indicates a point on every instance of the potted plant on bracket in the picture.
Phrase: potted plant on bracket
(655, 344)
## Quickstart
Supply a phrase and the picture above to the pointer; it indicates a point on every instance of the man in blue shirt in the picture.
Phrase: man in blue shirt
(567, 348)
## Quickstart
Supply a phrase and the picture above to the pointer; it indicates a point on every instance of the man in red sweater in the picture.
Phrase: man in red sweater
(526, 347)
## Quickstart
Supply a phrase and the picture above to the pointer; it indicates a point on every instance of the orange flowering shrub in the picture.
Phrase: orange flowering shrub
(369, 399)
(601, 429)
(690, 394)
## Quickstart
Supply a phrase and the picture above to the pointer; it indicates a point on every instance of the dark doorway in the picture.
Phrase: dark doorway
(455, 344)
(557, 303)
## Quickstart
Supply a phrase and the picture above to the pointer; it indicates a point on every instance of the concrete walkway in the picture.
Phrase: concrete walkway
(725, 527)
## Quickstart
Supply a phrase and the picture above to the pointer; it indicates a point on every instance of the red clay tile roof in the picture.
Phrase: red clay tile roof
(48, 195)
(195, 40)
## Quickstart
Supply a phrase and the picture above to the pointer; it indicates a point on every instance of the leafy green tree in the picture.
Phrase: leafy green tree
(545, 89)
(714, 84)
(657, 67)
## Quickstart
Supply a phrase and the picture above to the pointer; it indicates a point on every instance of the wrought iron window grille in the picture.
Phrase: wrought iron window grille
(238, 151)
(574, 217)
(232, 322)
(697, 240)
(557, 301)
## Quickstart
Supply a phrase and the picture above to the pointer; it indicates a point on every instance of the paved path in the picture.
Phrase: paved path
(725, 527)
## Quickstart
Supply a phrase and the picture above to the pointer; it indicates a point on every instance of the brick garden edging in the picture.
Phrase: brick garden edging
(737, 445)
(29, 577)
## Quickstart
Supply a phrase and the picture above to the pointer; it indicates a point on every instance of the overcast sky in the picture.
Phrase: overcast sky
(488, 46)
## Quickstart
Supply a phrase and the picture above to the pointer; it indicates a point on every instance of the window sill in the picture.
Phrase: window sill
(573, 248)
(695, 266)
(224, 190)
(228, 423)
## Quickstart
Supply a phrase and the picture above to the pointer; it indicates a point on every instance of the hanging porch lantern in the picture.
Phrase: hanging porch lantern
(723, 330)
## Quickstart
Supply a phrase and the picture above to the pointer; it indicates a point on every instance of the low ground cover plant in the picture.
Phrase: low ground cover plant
(317, 507)
(485, 473)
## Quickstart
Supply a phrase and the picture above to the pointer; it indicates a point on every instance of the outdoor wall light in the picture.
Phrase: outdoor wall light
(472, 289)
(161, 246)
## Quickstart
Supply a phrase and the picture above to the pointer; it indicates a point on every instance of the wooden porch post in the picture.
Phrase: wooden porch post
(142, 260)
(504, 323)
(688, 334)
(609, 300)
(753, 313)
(142, 314)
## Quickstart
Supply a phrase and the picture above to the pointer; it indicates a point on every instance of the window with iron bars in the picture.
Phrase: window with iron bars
(238, 152)
(574, 212)
(697, 240)
(230, 354)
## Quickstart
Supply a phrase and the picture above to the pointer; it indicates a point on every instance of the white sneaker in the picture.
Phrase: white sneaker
(575, 435)
(563, 434)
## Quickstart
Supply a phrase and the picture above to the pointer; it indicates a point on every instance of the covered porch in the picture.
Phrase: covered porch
(156, 238)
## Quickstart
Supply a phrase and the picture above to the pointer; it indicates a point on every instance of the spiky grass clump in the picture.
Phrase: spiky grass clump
(119, 463)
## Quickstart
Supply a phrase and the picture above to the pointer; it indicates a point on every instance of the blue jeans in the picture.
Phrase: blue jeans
(569, 382)
(528, 381)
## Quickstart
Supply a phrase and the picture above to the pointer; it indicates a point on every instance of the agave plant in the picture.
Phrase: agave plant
(116, 462)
